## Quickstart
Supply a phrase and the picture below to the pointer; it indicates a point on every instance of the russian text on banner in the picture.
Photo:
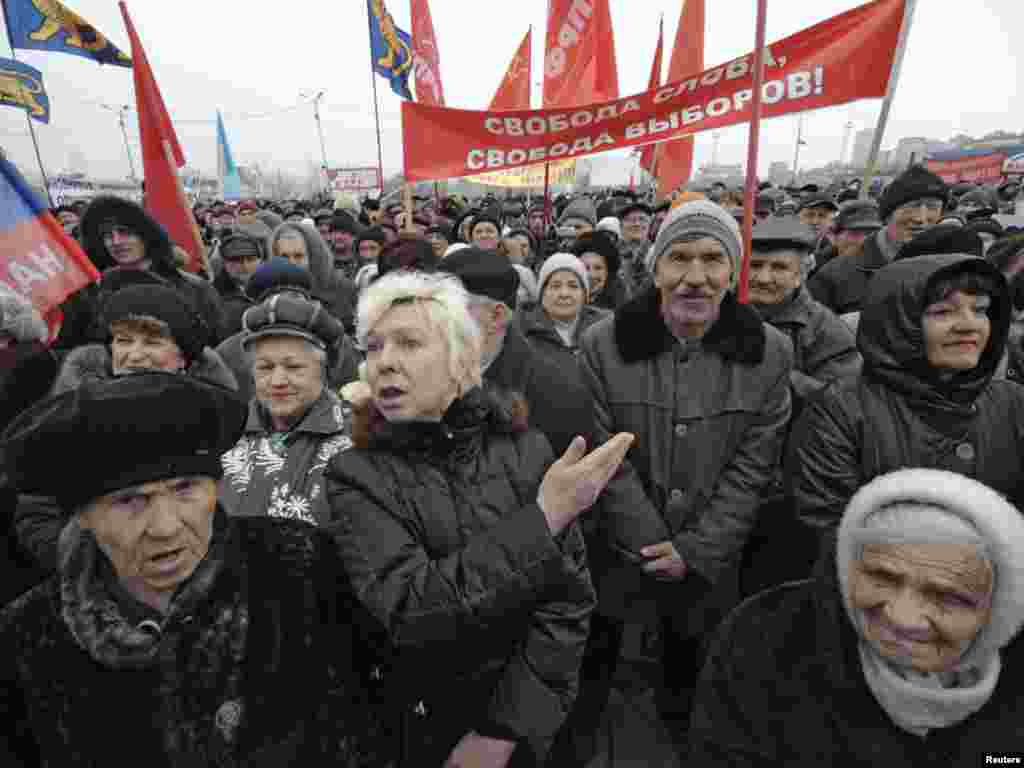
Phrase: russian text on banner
(37, 259)
(843, 59)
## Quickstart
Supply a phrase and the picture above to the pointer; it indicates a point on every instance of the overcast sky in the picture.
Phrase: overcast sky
(246, 58)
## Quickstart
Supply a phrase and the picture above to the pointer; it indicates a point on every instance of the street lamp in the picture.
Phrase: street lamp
(315, 98)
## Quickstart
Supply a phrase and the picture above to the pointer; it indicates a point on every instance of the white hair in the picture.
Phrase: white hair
(445, 305)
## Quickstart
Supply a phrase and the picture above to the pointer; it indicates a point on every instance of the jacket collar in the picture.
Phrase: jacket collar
(537, 322)
(640, 332)
(511, 368)
(794, 311)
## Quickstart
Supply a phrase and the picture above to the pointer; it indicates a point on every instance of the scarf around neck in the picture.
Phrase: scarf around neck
(920, 703)
(90, 600)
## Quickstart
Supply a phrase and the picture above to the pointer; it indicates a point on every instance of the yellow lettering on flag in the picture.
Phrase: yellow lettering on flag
(562, 172)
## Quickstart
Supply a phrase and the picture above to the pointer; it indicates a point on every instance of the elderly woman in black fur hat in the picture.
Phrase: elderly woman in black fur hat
(171, 632)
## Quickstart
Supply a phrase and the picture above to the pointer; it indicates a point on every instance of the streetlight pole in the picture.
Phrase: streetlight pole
(121, 112)
(320, 131)
(799, 141)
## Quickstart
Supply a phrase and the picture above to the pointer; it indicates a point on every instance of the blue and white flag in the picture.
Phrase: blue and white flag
(231, 183)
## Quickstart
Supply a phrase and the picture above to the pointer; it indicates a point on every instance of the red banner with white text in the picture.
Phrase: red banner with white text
(981, 168)
(843, 59)
(579, 54)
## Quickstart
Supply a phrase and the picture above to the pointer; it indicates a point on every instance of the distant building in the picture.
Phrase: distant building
(780, 174)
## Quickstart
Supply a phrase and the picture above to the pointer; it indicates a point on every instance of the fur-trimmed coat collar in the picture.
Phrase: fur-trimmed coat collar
(481, 409)
(640, 332)
(92, 361)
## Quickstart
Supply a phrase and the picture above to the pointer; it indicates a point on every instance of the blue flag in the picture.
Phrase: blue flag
(49, 25)
(22, 86)
(228, 171)
(391, 48)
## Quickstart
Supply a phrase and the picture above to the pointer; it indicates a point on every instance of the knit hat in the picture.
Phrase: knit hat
(484, 273)
(480, 219)
(563, 261)
(412, 253)
(122, 432)
(610, 224)
(696, 219)
(160, 303)
(947, 507)
(915, 183)
(946, 238)
(278, 274)
(580, 208)
(19, 319)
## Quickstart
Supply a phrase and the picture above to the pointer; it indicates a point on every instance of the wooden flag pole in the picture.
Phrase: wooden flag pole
(752, 150)
(890, 92)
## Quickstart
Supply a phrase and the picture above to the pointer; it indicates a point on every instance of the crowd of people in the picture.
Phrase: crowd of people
(378, 486)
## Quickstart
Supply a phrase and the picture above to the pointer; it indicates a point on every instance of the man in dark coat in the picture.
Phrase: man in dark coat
(703, 383)
(856, 221)
(559, 407)
(118, 234)
(241, 254)
(193, 625)
(911, 204)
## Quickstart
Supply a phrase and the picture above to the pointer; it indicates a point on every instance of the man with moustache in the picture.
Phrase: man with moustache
(704, 384)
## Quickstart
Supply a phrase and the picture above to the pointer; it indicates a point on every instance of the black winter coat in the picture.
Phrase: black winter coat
(560, 407)
(540, 332)
(303, 702)
(486, 613)
(842, 283)
(898, 413)
(783, 686)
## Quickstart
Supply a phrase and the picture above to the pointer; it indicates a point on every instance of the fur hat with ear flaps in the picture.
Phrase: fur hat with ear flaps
(995, 523)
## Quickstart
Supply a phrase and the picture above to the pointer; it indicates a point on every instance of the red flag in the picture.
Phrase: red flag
(647, 155)
(426, 56)
(161, 155)
(579, 57)
(675, 158)
(514, 91)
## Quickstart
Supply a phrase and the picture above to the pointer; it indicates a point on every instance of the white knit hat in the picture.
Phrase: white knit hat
(699, 218)
(610, 224)
(559, 261)
(926, 505)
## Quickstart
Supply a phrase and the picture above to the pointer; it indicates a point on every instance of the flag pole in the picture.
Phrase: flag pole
(752, 149)
(35, 141)
(890, 93)
(547, 198)
(376, 107)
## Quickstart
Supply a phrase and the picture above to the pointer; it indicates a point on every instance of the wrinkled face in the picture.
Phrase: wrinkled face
(438, 244)
(563, 296)
(849, 241)
(597, 272)
(517, 248)
(957, 330)
(289, 377)
(913, 218)
(293, 248)
(133, 349)
(921, 604)
(485, 235)
(817, 218)
(369, 250)
(154, 534)
(774, 276)
(68, 219)
(407, 366)
(125, 246)
(692, 279)
(536, 223)
(636, 227)
(341, 241)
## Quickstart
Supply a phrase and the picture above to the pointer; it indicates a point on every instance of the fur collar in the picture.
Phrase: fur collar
(486, 408)
(92, 361)
(640, 332)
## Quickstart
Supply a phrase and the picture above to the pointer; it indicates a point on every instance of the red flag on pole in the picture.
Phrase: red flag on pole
(675, 158)
(514, 90)
(647, 155)
(579, 57)
(426, 56)
(161, 155)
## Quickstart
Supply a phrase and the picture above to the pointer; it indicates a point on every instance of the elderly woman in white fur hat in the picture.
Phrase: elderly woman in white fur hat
(904, 649)
(556, 325)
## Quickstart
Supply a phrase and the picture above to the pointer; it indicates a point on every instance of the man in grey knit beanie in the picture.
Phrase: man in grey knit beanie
(695, 261)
